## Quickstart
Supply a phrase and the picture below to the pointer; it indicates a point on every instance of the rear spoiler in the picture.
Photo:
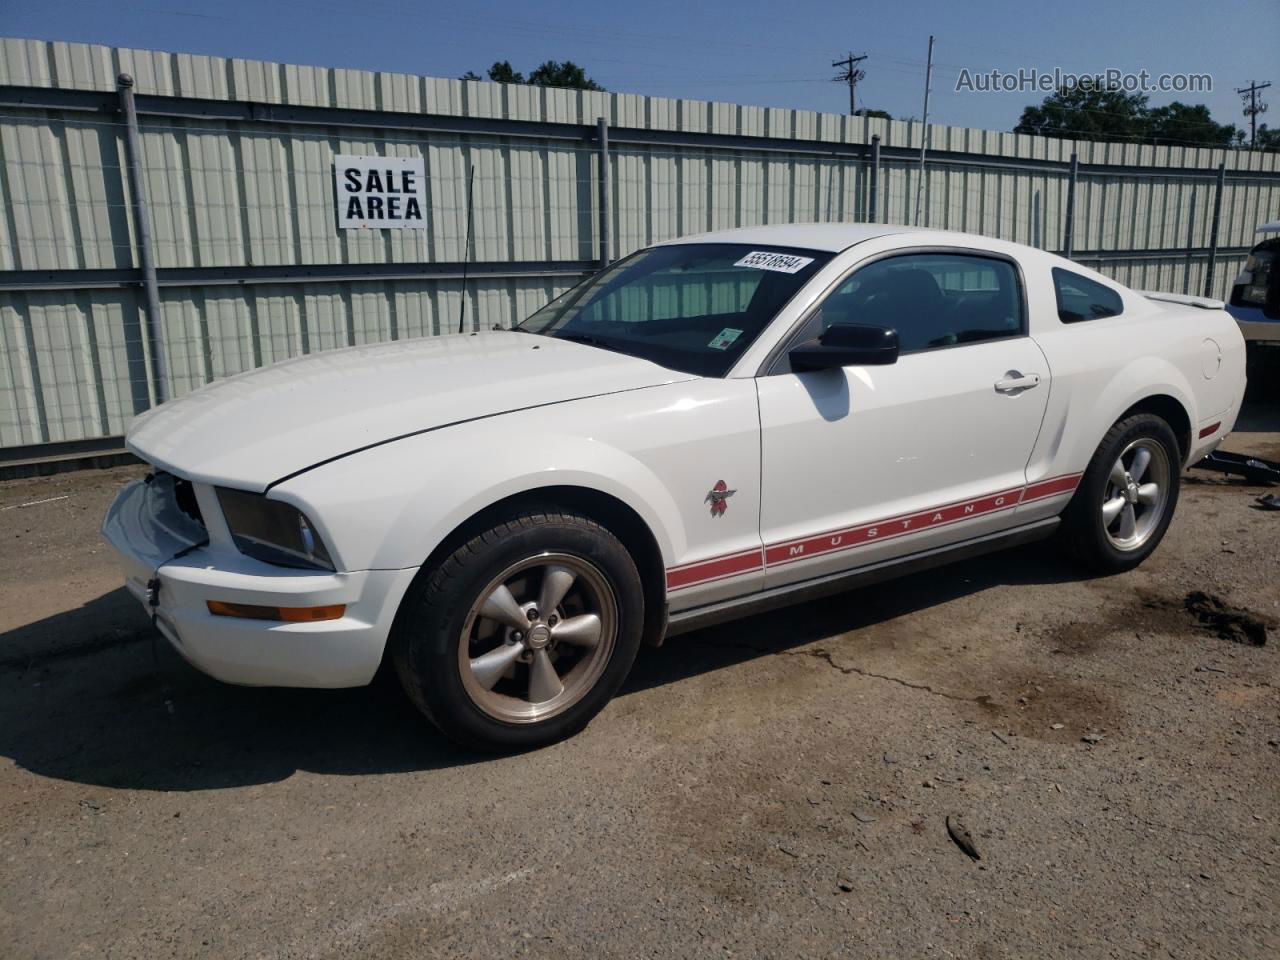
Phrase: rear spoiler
(1204, 303)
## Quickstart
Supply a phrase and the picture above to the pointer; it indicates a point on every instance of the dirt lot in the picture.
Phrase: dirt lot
(777, 788)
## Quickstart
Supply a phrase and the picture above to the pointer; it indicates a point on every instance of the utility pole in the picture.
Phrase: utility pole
(146, 253)
(850, 75)
(924, 132)
(1252, 107)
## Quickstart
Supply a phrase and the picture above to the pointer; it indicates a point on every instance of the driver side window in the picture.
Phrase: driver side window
(932, 299)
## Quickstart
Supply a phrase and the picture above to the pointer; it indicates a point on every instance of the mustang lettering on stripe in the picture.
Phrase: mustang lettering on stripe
(848, 538)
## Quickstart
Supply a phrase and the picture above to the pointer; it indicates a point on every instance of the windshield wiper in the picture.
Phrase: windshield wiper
(589, 340)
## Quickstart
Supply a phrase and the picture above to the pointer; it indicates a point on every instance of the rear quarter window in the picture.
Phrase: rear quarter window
(1080, 298)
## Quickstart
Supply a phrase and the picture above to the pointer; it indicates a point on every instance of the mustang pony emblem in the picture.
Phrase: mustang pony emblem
(717, 496)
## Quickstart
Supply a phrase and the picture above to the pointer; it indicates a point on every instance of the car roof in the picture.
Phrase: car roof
(812, 236)
(835, 237)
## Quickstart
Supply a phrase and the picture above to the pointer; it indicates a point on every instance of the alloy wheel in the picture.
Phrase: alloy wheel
(1136, 494)
(537, 638)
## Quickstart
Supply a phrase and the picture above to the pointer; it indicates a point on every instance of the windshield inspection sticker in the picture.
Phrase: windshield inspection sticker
(723, 339)
(779, 262)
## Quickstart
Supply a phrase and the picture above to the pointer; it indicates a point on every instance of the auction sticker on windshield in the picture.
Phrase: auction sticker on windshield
(780, 262)
(723, 339)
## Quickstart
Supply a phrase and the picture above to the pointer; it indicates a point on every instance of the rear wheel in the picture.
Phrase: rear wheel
(1126, 497)
(523, 633)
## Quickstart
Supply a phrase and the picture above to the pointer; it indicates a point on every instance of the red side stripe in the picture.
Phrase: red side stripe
(840, 540)
(1051, 488)
(835, 541)
(714, 569)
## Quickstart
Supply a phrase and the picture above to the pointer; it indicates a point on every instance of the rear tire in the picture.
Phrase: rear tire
(522, 634)
(1127, 496)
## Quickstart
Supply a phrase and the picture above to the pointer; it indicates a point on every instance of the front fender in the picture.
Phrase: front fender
(389, 506)
(427, 486)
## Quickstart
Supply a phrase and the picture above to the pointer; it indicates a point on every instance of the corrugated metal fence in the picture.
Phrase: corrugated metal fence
(237, 159)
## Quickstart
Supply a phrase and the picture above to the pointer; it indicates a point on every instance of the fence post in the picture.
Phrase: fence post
(133, 145)
(873, 209)
(1191, 239)
(1069, 228)
(602, 136)
(1213, 229)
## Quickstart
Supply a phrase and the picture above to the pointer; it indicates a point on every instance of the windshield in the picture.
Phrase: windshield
(692, 307)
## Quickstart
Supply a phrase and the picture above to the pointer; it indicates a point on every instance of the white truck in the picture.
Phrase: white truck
(1255, 298)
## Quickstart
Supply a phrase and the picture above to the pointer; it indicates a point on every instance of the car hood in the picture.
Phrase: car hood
(254, 429)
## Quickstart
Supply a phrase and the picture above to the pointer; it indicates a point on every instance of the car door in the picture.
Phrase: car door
(868, 463)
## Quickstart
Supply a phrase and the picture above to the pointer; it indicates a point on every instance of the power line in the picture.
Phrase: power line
(850, 75)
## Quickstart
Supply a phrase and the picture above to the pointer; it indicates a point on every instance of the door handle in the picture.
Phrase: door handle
(1015, 382)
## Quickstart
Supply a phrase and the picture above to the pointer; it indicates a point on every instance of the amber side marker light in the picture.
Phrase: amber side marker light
(249, 611)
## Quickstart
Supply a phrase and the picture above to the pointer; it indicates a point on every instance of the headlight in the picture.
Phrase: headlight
(272, 531)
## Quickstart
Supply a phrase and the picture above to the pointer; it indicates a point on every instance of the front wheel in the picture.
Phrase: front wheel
(523, 633)
(1126, 498)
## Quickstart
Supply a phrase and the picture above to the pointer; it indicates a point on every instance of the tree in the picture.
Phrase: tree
(1268, 139)
(567, 74)
(1108, 113)
(501, 72)
(1186, 123)
(1087, 113)
(550, 74)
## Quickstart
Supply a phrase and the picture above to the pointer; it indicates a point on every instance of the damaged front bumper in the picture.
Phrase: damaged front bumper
(175, 568)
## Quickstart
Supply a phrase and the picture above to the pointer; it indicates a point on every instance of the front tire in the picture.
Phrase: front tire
(523, 633)
(1127, 496)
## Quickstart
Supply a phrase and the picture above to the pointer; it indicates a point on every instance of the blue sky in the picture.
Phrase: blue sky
(766, 52)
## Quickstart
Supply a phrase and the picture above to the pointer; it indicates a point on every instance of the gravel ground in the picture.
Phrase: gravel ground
(775, 788)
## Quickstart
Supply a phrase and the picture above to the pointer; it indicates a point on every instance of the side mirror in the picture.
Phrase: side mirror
(846, 345)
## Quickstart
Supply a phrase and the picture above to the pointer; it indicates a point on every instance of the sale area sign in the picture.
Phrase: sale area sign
(380, 192)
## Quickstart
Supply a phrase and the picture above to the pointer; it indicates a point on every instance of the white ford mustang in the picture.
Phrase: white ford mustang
(706, 428)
